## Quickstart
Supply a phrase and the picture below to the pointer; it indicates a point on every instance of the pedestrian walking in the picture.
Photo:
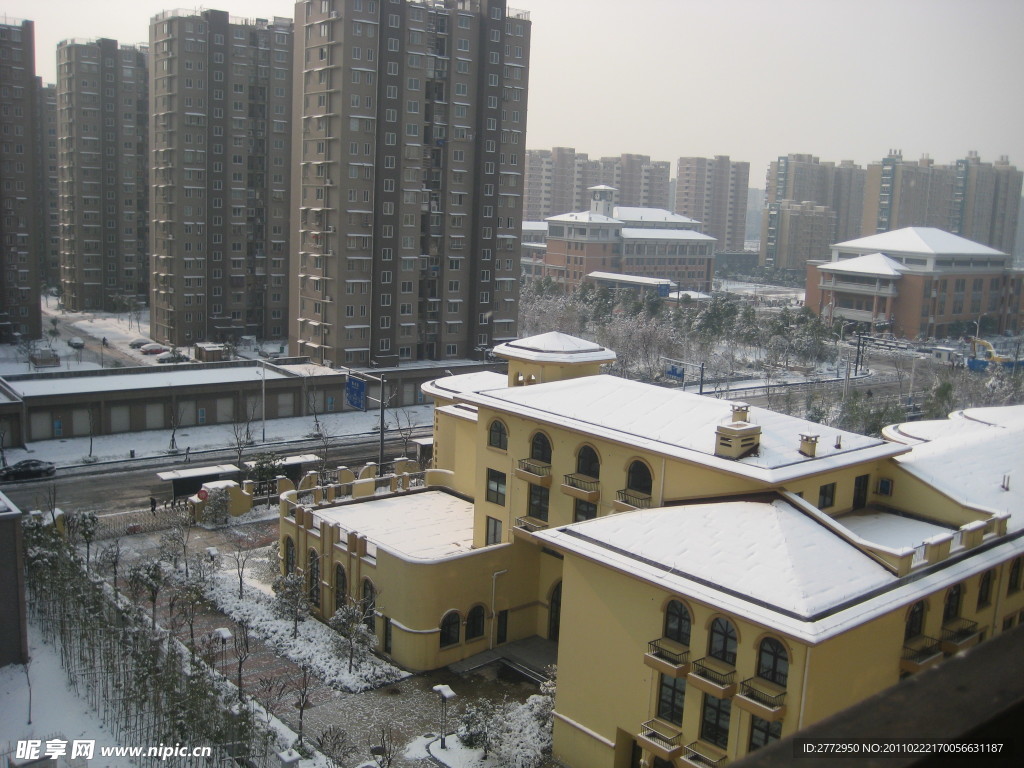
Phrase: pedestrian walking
(152, 505)
(187, 449)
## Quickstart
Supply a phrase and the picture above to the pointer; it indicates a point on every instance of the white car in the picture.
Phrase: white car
(75, 342)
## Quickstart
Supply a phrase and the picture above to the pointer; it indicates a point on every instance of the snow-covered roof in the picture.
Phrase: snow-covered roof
(635, 279)
(922, 240)
(695, 295)
(890, 530)
(554, 347)
(682, 425)
(1010, 416)
(155, 377)
(180, 474)
(626, 213)
(632, 233)
(450, 386)
(430, 526)
(870, 264)
(535, 226)
(584, 217)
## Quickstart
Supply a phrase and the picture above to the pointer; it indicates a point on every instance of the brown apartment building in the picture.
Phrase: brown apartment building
(220, 89)
(47, 182)
(410, 120)
(103, 180)
(714, 191)
(20, 228)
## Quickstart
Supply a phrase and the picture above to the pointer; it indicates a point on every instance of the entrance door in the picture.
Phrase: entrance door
(502, 627)
(860, 491)
(554, 612)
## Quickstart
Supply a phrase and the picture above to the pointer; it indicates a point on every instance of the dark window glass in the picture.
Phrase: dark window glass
(493, 531)
(762, 732)
(671, 695)
(475, 622)
(722, 643)
(1013, 584)
(370, 605)
(985, 590)
(587, 462)
(289, 555)
(583, 510)
(826, 496)
(340, 587)
(951, 606)
(773, 661)
(915, 621)
(313, 572)
(714, 724)
(540, 448)
(539, 499)
(497, 435)
(677, 622)
(450, 629)
(496, 486)
(639, 478)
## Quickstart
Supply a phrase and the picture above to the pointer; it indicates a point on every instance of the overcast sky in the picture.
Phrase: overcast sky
(842, 79)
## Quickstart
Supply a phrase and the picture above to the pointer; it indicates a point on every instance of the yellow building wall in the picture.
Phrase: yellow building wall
(910, 493)
(455, 449)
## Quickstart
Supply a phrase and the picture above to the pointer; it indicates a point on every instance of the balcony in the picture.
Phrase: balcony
(531, 524)
(534, 471)
(762, 698)
(713, 676)
(701, 754)
(668, 657)
(628, 499)
(581, 487)
(920, 653)
(959, 634)
(661, 739)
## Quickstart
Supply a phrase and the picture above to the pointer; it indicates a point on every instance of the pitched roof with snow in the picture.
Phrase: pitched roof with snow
(871, 264)
(626, 213)
(555, 347)
(584, 217)
(921, 240)
(634, 279)
(632, 233)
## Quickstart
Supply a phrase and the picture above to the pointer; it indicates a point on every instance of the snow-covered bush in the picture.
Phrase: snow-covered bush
(521, 735)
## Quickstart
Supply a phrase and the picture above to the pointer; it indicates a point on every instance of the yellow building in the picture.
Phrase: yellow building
(715, 575)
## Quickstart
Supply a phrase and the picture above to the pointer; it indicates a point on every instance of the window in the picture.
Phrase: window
(587, 462)
(497, 435)
(540, 498)
(763, 732)
(1013, 582)
(677, 622)
(773, 662)
(722, 642)
(496, 487)
(340, 587)
(826, 495)
(951, 605)
(289, 555)
(583, 510)
(540, 448)
(985, 590)
(450, 626)
(638, 478)
(313, 576)
(714, 723)
(671, 696)
(493, 531)
(370, 605)
(915, 621)
(475, 622)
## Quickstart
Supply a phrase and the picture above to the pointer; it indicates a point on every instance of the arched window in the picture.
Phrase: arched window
(915, 621)
(677, 622)
(587, 462)
(639, 478)
(370, 605)
(773, 662)
(985, 590)
(450, 629)
(497, 435)
(951, 606)
(340, 587)
(313, 576)
(722, 643)
(540, 448)
(289, 555)
(475, 622)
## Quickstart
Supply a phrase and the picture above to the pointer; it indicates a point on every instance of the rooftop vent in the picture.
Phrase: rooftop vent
(737, 439)
(740, 411)
(808, 445)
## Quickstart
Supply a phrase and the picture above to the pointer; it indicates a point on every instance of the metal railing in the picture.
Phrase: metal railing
(958, 629)
(535, 467)
(650, 730)
(704, 668)
(530, 524)
(582, 482)
(634, 498)
(752, 689)
(922, 649)
(662, 651)
(696, 753)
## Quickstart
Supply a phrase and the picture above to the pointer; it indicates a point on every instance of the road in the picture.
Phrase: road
(126, 486)
(94, 350)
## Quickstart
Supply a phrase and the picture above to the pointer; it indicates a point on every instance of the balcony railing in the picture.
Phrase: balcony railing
(661, 649)
(530, 524)
(696, 752)
(958, 630)
(655, 731)
(706, 668)
(923, 648)
(535, 467)
(583, 482)
(760, 691)
(634, 498)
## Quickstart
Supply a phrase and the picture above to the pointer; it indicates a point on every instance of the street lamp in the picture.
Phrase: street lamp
(446, 694)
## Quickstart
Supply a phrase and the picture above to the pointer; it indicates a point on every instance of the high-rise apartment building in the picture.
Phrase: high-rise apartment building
(408, 178)
(793, 233)
(47, 182)
(979, 201)
(714, 191)
(103, 121)
(551, 183)
(221, 94)
(19, 158)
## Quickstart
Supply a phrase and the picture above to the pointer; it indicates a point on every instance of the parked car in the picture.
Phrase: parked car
(138, 343)
(153, 349)
(28, 468)
(173, 357)
(75, 342)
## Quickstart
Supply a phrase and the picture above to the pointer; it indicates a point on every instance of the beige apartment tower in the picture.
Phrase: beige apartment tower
(20, 228)
(47, 182)
(714, 192)
(221, 95)
(407, 178)
(103, 200)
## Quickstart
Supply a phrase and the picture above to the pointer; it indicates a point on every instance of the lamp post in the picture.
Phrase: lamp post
(445, 693)
(263, 397)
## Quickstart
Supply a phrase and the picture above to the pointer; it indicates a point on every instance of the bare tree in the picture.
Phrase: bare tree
(305, 686)
(326, 443)
(291, 599)
(243, 549)
(148, 579)
(176, 416)
(386, 748)
(350, 620)
(108, 560)
(335, 744)
(405, 421)
(88, 526)
(174, 541)
(242, 652)
(270, 691)
(186, 600)
(241, 431)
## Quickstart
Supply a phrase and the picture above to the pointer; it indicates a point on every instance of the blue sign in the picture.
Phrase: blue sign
(355, 393)
(676, 372)
(663, 290)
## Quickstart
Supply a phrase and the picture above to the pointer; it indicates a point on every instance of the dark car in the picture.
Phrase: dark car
(26, 469)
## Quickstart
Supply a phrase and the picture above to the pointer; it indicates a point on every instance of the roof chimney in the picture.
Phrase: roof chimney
(740, 411)
(737, 439)
(808, 445)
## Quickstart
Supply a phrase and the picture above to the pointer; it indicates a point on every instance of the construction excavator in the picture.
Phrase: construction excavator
(983, 354)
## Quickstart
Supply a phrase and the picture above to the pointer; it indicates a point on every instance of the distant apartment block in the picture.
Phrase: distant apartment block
(793, 233)
(47, 182)
(20, 228)
(221, 124)
(408, 178)
(102, 129)
(714, 191)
